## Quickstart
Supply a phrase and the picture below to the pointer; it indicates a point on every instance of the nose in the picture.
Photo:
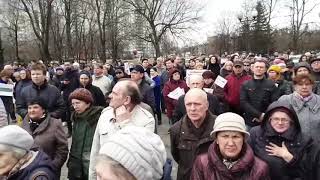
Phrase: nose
(230, 142)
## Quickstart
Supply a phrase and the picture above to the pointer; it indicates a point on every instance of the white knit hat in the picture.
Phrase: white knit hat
(15, 136)
(229, 122)
(139, 150)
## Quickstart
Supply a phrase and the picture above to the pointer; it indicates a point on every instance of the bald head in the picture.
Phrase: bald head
(197, 105)
(196, 81)
(121, 91)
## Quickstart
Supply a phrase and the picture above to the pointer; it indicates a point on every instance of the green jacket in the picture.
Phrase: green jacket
(84, 126)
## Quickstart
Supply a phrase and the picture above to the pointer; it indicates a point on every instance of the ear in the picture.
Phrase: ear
(127, 101)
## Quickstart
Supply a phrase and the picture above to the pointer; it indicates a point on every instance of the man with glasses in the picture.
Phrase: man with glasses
(315, 65)
(257, 94)
(247, 67)
(232, 88)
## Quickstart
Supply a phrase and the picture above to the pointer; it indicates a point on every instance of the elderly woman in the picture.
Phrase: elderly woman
(306, 104)
(229, 156)
(84, 118)
(47, 132)
(133, 153)
(280, 142)
(17, 161)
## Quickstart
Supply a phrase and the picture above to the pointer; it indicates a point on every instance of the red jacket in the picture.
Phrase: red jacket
(232, 88)
(210, 166)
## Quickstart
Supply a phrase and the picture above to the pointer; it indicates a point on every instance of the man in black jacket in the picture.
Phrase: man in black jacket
(41, 88)
(196, 81)
(257, 94)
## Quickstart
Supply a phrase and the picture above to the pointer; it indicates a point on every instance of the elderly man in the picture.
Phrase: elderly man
(191, 135)
(196, 81)
(17, 161)
(124, 110)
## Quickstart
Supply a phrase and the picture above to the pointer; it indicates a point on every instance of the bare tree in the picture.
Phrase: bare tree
(162, 16)
(299, 11)
(39, 13)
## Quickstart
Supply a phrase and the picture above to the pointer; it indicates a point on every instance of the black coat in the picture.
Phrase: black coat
(255, 97)
(98, 97)
(48, 93)
(147, 94)
(180, 109)
(305, 164)
(71, 75)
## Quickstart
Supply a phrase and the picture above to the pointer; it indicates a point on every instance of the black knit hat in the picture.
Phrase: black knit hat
(86, 73)
(302, 64)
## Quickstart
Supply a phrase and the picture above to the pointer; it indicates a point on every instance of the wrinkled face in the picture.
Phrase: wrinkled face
(259, 68)
(196, 83)
(304, 88)
(145, 63)
(117, 97)
(208, 81)
(230, 143)
(35, 111)
(280, 122)
(196, 108)
(119, 74)
(23, 74)
(315, 65)
(37, 77)
(79, 106)
(176, 76)
(136, 76)
(273, 75)
(84, 80)
(302, 70)
(7, 162)
(237, 69)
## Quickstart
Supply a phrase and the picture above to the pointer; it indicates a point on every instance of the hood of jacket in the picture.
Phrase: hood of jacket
(294, 128)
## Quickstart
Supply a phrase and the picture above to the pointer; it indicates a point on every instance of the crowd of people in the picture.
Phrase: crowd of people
(261, 124)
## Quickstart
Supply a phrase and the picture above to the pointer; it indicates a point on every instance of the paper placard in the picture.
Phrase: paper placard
(208, 90)
(175, 94)
(193, 72)
(220, 81)
(6, 89)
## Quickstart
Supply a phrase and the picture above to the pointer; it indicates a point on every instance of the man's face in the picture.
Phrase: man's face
(315, 66)
(98, 71)
(178, 61)
(119, 74)
(237, 69)
(145, 64)
(7, 162)
(136, 76)
(37, 77)
(117, 97)
(84, 80)
(196, 109)
(259, 68)
(169, 65)
(246, 67)
(196, 83)
(230, 143)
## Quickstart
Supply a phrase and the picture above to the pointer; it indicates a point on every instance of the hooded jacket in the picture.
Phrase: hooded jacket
(305, 163)
(170, 86)
(210, 166)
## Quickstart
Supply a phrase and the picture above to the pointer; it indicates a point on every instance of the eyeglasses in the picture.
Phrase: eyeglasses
(278, 120)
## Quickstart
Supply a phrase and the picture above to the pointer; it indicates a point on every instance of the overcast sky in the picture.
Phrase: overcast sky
(216, 9)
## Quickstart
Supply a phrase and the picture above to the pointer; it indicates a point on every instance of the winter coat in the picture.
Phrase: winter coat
(51, 138)
(84, 126)
(3, 115)
(255, 97)
(21, 85)
(107, 126)
(8, 104)
(180, 110)
(40, 168)
(224, 73)
(232, 88)
(157, 92)
(210, 166)
(147, 94)
(284, 87)
(215, 68)
(306, 155)
(57, 81)
(164, 77)
(98, 96)
(170, 86)
(186, 144)
(308, 113)
(48, 93)
(71, 75)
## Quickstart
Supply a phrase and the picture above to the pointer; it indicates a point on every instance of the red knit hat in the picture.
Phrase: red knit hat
(82, 94)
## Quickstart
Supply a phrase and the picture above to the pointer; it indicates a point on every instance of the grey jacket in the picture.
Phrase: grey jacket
(308, 113)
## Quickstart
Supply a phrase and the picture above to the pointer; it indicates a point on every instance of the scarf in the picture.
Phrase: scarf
(34, 124)
(303, 99)
(229, 163)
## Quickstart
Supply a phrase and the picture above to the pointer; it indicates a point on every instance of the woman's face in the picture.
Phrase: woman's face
(23, 74)
(79, 106)
(35, 111)
(229, 66)
(280, 122)
(213, 60)
(119, 74)
(302, 70)
(208, 81)
(304, 58)
(230, 143)
(176, 76)
(304, 88)
(7, 162)
(272, 75)
(153, 73)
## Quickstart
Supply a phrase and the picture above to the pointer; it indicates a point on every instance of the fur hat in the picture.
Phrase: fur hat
(82, 94)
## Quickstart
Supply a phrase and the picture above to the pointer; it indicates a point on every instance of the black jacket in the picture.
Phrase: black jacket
(305, 164)
(49, 93)
(71, 75)
(180, 110)
(57, 81)
(98, 97)
(147, 94)
(255, 97)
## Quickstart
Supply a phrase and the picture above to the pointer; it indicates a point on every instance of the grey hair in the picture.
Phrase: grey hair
(17, 152)
(115, 167)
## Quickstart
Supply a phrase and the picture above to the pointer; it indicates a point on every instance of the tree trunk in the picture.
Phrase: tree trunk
(16, 44)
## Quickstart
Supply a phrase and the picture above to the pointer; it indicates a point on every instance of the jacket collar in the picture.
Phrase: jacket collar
(313, 104)
(42, 86)
(42, 126)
